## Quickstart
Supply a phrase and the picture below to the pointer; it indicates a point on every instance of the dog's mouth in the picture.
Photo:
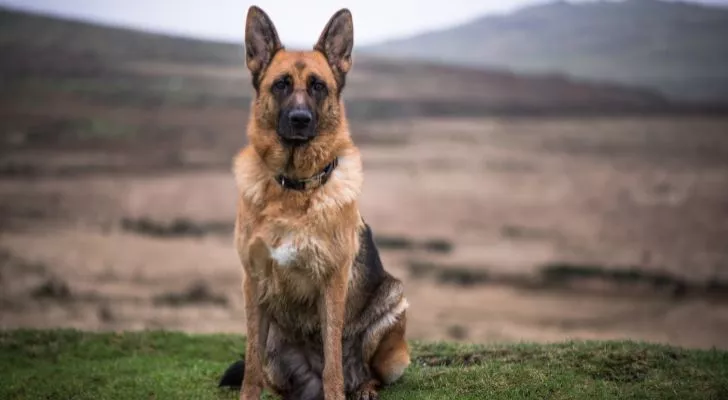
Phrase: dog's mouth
(296, 140)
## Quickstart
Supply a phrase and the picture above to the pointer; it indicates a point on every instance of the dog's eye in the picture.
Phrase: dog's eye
(319, 86)
(280, 85)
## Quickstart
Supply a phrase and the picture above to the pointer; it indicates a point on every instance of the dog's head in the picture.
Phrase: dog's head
(298, 92)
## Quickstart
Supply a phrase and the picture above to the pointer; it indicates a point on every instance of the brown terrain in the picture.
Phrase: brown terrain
(514, 208)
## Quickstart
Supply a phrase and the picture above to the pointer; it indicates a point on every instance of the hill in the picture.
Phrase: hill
(45, 55)
(161, 365)
(675, 47)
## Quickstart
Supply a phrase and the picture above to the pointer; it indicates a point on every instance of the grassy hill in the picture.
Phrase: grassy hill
(678, 48)
(162, 365)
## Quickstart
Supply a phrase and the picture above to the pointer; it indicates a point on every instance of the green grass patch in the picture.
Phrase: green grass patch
(67, 364)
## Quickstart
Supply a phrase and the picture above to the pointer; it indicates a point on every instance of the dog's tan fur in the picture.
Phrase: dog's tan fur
(299, 248)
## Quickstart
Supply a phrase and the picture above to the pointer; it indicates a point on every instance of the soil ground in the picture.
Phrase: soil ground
(527, 221)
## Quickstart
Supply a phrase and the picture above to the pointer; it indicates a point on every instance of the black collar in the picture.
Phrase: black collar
(309, 183)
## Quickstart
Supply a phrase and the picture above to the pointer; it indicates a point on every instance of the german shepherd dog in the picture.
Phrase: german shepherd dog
(324, 319)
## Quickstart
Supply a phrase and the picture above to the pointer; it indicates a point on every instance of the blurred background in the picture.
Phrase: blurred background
(534, 171)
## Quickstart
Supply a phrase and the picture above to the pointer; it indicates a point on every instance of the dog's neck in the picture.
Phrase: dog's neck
(312, 182)
(305, 161)
(256, 169)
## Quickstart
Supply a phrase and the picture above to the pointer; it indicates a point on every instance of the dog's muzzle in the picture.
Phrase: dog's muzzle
(297, 126)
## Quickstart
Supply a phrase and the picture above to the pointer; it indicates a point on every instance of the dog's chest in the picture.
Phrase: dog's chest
(291, 250)
(294, 288)
(299, 248)
(303, 255)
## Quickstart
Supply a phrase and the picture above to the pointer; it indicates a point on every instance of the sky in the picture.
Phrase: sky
(298, 23)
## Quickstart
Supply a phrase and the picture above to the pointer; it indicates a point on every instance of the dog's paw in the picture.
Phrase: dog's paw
(367, 391)
(366, 394)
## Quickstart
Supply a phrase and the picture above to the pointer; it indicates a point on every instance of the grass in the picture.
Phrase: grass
(67, 364)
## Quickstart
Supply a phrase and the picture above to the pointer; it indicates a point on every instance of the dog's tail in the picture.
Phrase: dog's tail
(233, 376)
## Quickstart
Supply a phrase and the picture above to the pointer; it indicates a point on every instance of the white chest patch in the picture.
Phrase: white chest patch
(285, 254)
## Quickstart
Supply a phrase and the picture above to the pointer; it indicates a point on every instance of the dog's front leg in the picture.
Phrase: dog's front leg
(333, 309)
(253, 381)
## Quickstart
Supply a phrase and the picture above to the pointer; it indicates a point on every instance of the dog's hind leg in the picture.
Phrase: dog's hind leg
(392, 356)
(390, 359)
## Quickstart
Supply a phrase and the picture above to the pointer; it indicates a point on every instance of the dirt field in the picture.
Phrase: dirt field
(503, 230)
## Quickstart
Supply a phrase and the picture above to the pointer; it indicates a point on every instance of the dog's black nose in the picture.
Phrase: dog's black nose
(300, 118)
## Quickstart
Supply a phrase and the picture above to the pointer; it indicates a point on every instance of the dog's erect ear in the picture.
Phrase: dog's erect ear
(261, 42)
(337, 41)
